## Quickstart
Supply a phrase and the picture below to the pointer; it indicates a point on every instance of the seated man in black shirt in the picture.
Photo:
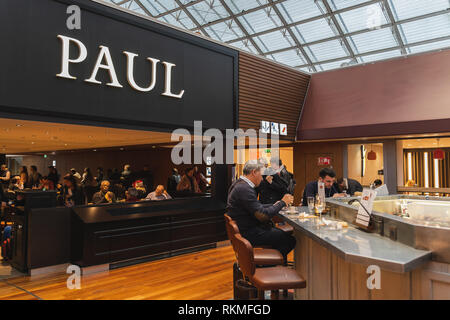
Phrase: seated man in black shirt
(254, 218)
(327, 176)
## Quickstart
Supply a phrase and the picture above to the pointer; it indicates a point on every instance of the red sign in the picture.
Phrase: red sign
(438, 154)
(323, 161)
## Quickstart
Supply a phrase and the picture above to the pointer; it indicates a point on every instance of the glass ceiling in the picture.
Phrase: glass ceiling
(311, 35)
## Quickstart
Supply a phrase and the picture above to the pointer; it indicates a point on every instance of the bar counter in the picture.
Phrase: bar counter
(335, 264)
(117, 234)
(356, 246)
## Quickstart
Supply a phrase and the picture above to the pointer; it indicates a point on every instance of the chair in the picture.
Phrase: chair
(271, 278)
(262, 256)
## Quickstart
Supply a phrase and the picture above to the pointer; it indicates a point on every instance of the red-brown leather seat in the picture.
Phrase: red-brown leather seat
(262, 256)
(271, 278)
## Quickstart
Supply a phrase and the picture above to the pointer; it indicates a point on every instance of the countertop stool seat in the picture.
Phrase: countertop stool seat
(271, 278)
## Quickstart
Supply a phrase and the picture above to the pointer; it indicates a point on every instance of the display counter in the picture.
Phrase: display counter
(335, 262)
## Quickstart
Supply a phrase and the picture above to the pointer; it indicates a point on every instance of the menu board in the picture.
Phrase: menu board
(363, 218)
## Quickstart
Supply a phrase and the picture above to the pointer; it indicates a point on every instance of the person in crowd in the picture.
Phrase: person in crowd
(14, 184)
(377, 183)
(76, 175)
(126, 176)
(5, 176)
(275, 183)
(173, 180)
(104, 195)
(327, 176)
(89, 184)
(380, 188)
(2, 197)
(34, 178)
(271, 189)
(200, 179)
(140, 187)
(87, 178)
(115, 176)
(147, 177)
(132, 195)
(350, 186)
(188, 182)
(46, 184)
(109, 174)
(158, 194)
(24, 177)
(254, 218)
(72, 193)
(100, 175)
(287, 176)
(53, 175)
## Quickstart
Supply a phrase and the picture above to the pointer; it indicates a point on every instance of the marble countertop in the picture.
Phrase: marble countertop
(357, 246)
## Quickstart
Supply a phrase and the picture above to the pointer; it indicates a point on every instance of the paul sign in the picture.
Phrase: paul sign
(104, 61)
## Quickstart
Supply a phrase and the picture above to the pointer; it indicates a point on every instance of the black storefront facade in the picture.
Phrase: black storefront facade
(121, 71)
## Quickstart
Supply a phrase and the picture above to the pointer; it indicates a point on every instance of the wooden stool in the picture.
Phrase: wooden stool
(272, 278)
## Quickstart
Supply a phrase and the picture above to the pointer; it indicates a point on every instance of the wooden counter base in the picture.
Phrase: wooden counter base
(330, 277)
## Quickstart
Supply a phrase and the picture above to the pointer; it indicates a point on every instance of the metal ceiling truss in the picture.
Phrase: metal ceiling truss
(286, 28)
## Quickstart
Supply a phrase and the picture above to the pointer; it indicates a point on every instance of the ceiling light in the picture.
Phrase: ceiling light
(19, 125)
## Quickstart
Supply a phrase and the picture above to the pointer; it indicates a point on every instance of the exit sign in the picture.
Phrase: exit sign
(323, 161)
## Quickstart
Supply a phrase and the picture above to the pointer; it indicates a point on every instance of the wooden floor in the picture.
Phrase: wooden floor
(203, 275)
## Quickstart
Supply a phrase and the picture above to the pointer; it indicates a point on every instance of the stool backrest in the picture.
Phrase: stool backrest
(244, 251)
(232, 229)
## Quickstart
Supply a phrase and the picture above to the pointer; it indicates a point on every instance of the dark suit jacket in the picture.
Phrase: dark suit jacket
(353, 186)
(312, 189)
(244, 208)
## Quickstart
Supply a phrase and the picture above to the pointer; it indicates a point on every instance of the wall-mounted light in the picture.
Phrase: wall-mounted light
(372, 155)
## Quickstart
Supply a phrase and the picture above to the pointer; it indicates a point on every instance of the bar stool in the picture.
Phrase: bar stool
(271, 278)
(262, 256)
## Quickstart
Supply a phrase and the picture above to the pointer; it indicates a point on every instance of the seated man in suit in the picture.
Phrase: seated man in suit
(349, 185)
(327, 176)
(254, 218)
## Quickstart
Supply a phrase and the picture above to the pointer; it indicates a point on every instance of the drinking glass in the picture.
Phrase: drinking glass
(311, 204)
(320, 206)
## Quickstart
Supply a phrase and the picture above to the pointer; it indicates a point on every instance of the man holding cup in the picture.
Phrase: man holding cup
(254, 218)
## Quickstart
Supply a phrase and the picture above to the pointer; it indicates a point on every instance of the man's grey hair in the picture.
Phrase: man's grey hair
(252, 165)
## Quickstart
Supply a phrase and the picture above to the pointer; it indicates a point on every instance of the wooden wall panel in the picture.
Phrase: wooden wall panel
(271, 92)
(306, 168)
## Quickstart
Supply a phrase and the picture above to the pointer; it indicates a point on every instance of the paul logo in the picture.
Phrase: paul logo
(105, 62)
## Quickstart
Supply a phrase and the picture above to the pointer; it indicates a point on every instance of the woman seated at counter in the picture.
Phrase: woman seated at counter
(158, 194)
(188, 183)
(104, 195)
